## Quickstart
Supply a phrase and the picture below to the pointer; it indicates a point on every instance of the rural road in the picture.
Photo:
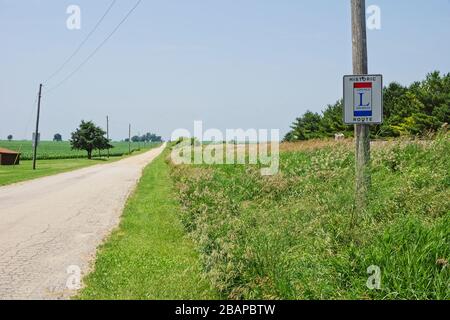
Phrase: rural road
(54, 223)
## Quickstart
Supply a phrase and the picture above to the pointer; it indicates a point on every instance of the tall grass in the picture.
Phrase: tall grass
(289, 236)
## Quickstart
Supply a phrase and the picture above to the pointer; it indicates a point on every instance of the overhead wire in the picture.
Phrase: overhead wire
(82, 43)
(96, 49)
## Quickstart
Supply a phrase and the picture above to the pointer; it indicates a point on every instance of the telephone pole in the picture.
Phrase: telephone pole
(107, 131)
(139, 141)
(362, 132)
(36, 133)
(129, 138)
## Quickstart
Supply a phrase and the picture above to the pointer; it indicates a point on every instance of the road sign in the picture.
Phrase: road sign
(363, 99)
(34, 138)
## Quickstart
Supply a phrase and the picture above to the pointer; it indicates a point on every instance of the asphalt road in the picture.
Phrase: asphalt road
(50, 227)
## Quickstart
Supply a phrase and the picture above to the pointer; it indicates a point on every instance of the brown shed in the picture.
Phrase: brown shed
(9, 157)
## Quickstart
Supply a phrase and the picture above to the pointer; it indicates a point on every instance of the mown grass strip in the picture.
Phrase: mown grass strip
(24, 171)
(148, 256)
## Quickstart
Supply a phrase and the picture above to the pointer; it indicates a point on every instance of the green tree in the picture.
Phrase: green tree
(89, 137)
(57, 137)
(289, 137)
(307, 126)
(433, 92)
(10, 137)
(408, 110)
(332, 120)
(417, 124)
(151, 137)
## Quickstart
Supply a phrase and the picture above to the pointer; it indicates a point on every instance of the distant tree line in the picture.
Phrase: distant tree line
(414, 110)
(148, 137)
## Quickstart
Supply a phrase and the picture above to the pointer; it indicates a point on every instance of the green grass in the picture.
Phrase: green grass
(24, 171)
(289, 236)
(148, 256)
(61, 150)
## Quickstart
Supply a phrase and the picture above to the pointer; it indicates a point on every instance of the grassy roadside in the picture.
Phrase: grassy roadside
(148, 256)
(288, 236)
(24, 171)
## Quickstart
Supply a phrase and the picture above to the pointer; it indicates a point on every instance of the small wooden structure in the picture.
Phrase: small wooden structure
(9, 157)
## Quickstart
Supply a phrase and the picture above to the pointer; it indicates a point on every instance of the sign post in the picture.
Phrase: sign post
(361, 110)
(363, 106)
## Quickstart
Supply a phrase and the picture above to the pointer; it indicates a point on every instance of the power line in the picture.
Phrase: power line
(96, 49)
(82, 43)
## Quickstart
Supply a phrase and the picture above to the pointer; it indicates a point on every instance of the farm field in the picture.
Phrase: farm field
(54, 165)
(295, 235)
(61, 150)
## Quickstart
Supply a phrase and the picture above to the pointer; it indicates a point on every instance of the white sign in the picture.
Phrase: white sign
(363, 99)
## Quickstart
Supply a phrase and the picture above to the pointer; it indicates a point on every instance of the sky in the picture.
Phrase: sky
(229, 63)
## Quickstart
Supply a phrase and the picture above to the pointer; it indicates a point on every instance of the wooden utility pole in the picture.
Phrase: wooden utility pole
(107, 131)
(139, 141)
(129, 138)
(362, 133)
(36, 133)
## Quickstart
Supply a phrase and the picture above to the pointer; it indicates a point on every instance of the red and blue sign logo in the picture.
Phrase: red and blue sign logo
(362, 99)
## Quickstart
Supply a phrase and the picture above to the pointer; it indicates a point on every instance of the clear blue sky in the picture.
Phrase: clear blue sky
(231, 63)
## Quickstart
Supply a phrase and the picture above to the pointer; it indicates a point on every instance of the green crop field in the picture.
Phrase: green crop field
(61, 150)
(295, 235)
(57, 157)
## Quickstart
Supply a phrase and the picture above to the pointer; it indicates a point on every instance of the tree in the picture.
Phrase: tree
(289, 137)
(150, 137)
(57, 137)
(89, 137)
(332, 121)
(416, 109)
(10, 137)
(307, 126)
